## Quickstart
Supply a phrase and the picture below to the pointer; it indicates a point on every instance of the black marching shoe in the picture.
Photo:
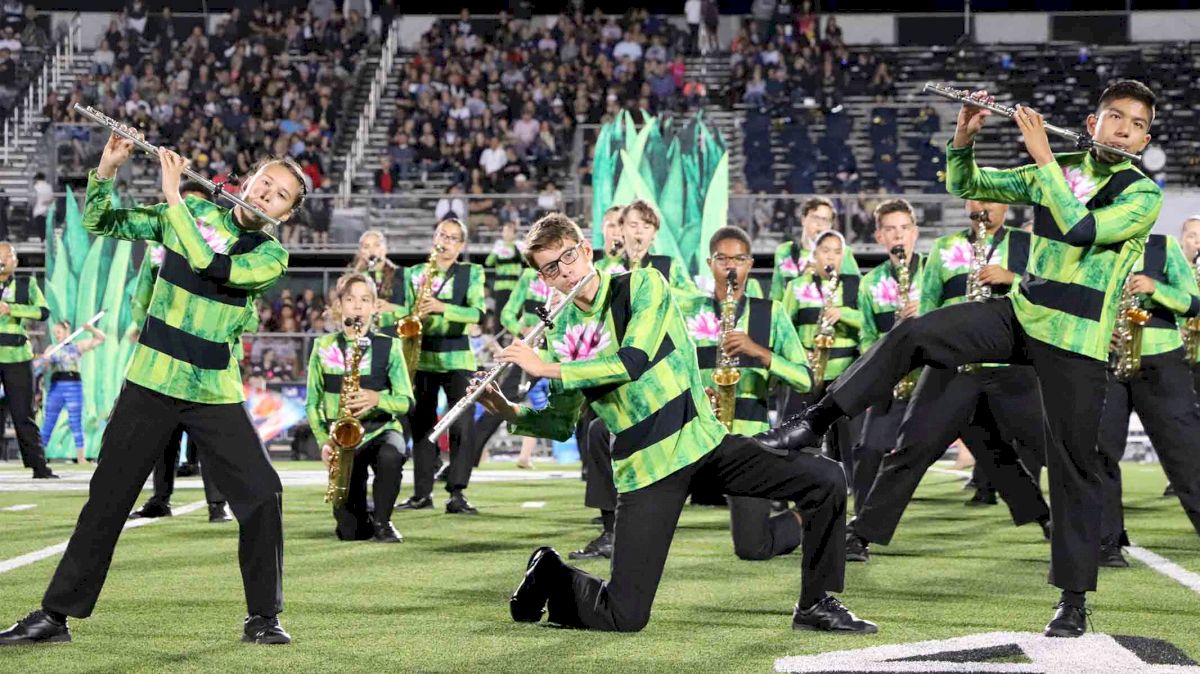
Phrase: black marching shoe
(261, 629)
(1068, 621)
(830, 615)
(416, 503)
(793, 435)
(45, 474)
(1170, 490)
(36, 628)
(528, 602)
(1047, 528)
(459, 505)
(857, 549)
(386, 533)
(1111, 557)
(150, 510)
(218, 513)
(982, 498)
(602, 546)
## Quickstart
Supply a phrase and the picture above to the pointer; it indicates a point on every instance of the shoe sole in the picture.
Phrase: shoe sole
(801, 627)
(575, 556)
(247, 639)
(57, 639)
(1061, 634)
(858, 558)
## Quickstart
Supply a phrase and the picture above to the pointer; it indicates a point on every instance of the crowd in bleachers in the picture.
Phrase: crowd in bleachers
(23, 42)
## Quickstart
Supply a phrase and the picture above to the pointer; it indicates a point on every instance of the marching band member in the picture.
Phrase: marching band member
(792, 258)
(21, 300)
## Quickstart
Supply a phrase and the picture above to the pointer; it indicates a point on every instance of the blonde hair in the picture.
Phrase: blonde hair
(644, 209)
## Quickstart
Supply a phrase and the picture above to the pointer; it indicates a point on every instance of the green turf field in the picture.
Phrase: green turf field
(438, 602)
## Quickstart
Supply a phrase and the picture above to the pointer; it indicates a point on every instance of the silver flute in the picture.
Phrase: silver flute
(467, 402)
(1082, 141)
(213, 188)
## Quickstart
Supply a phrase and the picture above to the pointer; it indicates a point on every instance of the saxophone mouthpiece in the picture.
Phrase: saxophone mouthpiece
(979, 216)
(829, 267)
(355, 322)
(616, 248)
(898, 251)
(372, 261)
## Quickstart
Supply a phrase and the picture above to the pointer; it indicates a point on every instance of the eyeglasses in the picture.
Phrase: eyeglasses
(550, 269)
(452, 238)
(739, 260)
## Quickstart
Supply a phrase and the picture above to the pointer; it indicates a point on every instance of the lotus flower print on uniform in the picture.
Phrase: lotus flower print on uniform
(886, 293)
(1080, 183)
(582, 342)
(704, 326)
(539, 289)
(157, 255)
(334, 360)
(957, 256)
(789, 266)
(418, 280)
(212, 237)
(808, 293)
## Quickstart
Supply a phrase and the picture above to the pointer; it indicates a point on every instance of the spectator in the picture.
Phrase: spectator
(549, 199)
(41, 198)
(709, 40)
(135, 17)
(385, 180)
(14, 14)
(451, 205)
(739, 206)
(629, 48)
(692, 12)
(102, 59)
(403, 158)
(10, 41)
(493, 159)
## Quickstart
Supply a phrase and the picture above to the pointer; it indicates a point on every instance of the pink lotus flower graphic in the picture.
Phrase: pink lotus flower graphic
(789, 266)
(706, 285)
(808, 292)
(582, 342)
(704, 326)
(539, 289)
(157, 255)
(332, 358)
(617, 268)
(957, 256)
(1080, 183)
(886, 293)
(504, 249)
(418, 280)
(212, 237)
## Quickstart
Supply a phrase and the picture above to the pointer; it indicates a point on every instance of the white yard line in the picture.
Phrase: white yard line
(38, 555)
(18, 508)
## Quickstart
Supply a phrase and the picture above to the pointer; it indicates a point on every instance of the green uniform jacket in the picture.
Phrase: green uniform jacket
(790, 260)
(1175, 294)
(802, 303)
(879, 298)
(444, 342)
(503, 266)
(381, 369)
(25, 303)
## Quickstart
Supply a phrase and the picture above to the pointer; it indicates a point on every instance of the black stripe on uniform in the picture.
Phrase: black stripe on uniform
(1069, 298)
(750, 409)
(184, 346)
(636, 361)
(885, 321)
(12, 339)
(659, 426)
(176, 271)
(438, 344)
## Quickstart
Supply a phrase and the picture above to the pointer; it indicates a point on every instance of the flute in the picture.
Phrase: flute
(1082, 142)
(215, 189)
(468, 402)
(78, 331)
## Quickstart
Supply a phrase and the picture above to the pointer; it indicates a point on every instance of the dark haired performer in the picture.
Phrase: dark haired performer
(1092, 213)
(184, 373)
(623, 347)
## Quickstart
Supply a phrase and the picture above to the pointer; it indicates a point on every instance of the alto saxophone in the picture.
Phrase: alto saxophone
(904, 389)
(726, 375)
(977, 290)
(409, 328)
(1131, 317)
(1191, 327)
(346, 432)
(818, 358)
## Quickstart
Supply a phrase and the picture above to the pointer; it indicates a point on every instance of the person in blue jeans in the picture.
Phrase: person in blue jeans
(66, 386)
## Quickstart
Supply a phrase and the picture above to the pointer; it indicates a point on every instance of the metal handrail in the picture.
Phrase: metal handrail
(17, 125)
(366, 118)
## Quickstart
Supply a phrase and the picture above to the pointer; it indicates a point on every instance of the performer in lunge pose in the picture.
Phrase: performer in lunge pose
(66, 386)
(1092, 213)
(623, 347)
(794, 258)
(1149, 374)
(444, 295)
(754, 338)
(995, 408)
(383, 395)
(183, 373)
(889, 294)
(20, 300)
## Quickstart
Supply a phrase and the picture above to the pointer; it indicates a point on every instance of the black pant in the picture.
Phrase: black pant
(1072, 388)
(992, 411)
(759, 535)
(879, 431)
(647, 518)
(164, 472)
(599, 489)
(488, 424)
(384, 455)
(142, 422)
(17, 379)
(423, 418)
(1162, 394)
(499, 299)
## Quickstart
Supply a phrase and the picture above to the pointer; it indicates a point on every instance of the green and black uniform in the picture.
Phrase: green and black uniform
(631, 358)
(790, 260)
(25, 303)
(446, 365)
(1091, 220)
(383, 449)
(1161, 391)
(671, 268)
(503, 266)
(880, 303)
(184, 373)
(995, 410)
(756, 535)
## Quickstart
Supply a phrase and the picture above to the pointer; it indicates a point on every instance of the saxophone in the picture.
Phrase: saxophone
(346, 432)
(726, 375)
(1191, 327)
(818, 358)
(904, 389)
(409, 328)
(1131, 316)
(977, 290)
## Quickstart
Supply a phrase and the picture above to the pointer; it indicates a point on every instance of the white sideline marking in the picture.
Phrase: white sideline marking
(18, 508)
(1166, 567)
(38, 555)
(534, 504)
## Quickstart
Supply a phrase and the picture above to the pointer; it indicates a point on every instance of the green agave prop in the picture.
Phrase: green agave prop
(680, 168)
(85, 275)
